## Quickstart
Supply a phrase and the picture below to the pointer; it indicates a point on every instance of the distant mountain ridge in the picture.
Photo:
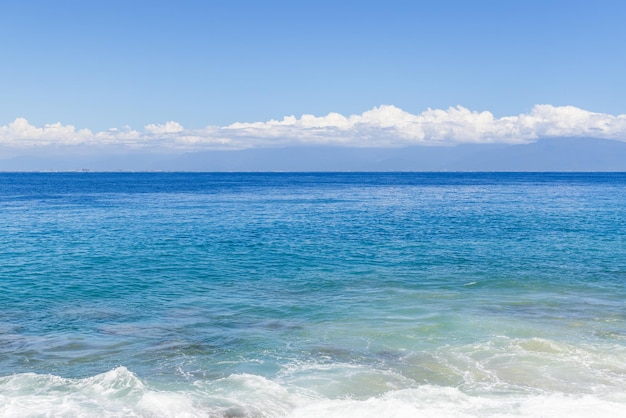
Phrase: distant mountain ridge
(549, 154)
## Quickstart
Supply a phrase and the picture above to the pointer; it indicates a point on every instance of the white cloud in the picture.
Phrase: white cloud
(21, 133)
(381, 126)
(170, 127)
(389, 125)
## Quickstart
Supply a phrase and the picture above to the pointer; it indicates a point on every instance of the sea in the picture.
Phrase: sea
(312, 294)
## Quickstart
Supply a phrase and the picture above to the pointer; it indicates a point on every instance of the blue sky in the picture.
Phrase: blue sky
(111, 64)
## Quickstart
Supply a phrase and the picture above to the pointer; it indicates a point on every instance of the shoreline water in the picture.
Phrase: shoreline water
(366, 294)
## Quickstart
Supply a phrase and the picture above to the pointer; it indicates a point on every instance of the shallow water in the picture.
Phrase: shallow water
(355, 294)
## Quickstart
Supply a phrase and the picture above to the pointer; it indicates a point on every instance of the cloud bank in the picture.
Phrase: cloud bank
(379, 127)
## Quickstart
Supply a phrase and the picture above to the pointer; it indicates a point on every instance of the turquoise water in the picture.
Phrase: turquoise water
(356, 294)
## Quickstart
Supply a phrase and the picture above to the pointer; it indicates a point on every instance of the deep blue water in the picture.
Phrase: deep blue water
(312, 294)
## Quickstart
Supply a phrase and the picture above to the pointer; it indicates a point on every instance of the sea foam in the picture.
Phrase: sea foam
(120, 393)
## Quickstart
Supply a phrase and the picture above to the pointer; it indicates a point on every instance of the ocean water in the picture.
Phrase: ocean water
(312, 295)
